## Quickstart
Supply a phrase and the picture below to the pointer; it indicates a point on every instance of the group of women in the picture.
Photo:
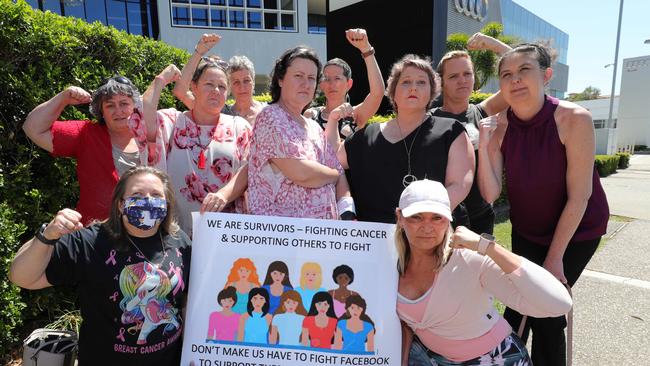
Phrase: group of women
(286, 160)
(277, 313)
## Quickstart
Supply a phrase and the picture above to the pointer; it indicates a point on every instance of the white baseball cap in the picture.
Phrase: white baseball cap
(425, 196)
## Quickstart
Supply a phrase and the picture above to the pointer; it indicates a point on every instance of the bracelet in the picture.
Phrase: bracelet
(370, 52)
(41, 237)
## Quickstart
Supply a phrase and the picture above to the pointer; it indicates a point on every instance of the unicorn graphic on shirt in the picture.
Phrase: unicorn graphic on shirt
(145, 288)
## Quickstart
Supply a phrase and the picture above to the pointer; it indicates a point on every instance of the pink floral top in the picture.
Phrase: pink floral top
(276, 135)
(177, 150)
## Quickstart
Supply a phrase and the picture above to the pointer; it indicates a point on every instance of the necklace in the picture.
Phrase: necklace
(408, 178)
(201, 162)
(162, 246)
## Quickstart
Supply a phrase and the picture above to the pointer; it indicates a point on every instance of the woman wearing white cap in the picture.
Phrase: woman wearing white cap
(447, 283)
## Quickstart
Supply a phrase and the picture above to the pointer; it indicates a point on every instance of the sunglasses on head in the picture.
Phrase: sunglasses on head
(215, 62)
(118, 78)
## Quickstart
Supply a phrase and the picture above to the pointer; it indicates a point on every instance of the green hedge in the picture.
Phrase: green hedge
(606, 164)
(624, 160)
(40, 55)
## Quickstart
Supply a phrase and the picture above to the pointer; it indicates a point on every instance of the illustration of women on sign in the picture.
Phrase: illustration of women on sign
(311, 277)
(276, 283)
(243, 277)
(355, 331)
(343, 276)
(145, 288)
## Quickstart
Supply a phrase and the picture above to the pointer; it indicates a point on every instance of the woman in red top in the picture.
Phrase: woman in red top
(319, 325)
(104, 150)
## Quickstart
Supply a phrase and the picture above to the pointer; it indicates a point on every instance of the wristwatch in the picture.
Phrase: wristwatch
(41, 237)
(484, 243)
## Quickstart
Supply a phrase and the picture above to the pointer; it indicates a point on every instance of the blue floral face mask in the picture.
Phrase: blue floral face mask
(145, 213)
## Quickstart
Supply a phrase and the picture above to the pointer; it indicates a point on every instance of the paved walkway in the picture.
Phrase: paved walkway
(612, 297)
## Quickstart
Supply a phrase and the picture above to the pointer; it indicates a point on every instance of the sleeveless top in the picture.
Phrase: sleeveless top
(347, 126)
(256, 329)
(535, 166)
(474, 202)
(377, 166)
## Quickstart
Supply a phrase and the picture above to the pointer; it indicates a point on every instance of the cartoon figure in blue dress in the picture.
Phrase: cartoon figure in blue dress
(355, 331)
(276, 283)
(254, 324)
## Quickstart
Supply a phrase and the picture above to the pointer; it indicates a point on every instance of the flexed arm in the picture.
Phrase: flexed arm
(366, 109)
(182, 87)
(38, 124)
(151, 97)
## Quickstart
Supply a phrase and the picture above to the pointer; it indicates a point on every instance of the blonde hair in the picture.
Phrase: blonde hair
(311, 266)
(450, 56)
(441, 252)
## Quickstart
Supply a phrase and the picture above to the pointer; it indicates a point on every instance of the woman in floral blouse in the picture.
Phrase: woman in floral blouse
(293, 168)
(201, 148)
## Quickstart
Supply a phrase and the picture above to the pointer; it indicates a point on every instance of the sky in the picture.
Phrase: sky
(591, 26)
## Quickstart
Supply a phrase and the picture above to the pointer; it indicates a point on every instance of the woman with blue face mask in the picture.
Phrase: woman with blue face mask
(130, 272)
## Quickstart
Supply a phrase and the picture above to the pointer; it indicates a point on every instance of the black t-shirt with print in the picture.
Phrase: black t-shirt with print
(130, 301)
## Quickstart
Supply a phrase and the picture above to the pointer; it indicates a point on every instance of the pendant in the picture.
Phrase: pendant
(408, 179)
(201, 160)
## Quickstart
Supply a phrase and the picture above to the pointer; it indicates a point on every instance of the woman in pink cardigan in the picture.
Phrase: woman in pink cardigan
(448, 281)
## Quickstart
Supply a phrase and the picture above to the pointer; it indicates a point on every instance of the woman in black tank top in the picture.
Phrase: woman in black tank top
(384, 158)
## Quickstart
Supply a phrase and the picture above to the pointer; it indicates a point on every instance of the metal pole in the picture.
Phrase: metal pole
(610, 123)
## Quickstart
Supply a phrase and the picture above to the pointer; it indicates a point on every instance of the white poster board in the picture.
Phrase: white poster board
(237, 250)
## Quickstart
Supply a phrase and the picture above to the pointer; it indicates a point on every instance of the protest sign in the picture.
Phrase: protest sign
(285, 291)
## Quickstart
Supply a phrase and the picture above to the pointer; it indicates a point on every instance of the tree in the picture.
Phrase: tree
(589, 93)
(484, 61)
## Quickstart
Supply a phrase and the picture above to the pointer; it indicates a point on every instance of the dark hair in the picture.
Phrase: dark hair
(347, 71)
(283, 63)
(360, 302)
(116, 85)
(258, 291)
(543, 54)
(279, 266)
(343, 269)
(451, 55)
(208, 63)
(320, 297)
(227, 293)
(419, 63)
(114, 225)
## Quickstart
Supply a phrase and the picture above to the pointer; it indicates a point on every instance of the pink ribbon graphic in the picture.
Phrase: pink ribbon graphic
(111, 258)
(179, 274)
(121, 335)
(114, 297)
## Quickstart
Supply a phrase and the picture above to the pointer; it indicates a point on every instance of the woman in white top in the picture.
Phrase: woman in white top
(448, 281)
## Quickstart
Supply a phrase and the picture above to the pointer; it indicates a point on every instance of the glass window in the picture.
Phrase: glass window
(270, 21)
(286, 4)
(218, 2)
(218, 18)
(237, 3)
(200, 17)
(94, 13)
(181, 1)
(180, 15)
(287, 22)
(76, 10)
(116, 11)
(200, 2)
(52, 5)
(136, 14)
(33, 3)
(236, 19)
(254, 3)
(254, 20)
(270, 4)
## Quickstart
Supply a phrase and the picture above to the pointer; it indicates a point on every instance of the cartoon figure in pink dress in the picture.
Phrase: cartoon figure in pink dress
(223, 324)
(343, 276)
(145, 287)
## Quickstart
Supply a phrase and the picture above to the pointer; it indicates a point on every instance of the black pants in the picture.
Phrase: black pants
(549, 342)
